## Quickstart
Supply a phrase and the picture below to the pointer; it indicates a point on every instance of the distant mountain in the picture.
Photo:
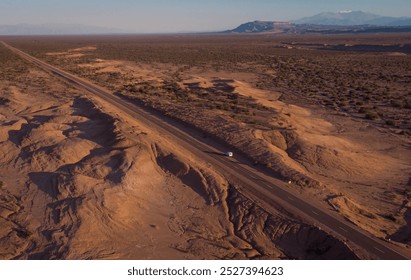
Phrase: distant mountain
(350, 18)
(330, 23)
(263, 26)
(55, 29)
(292, 28)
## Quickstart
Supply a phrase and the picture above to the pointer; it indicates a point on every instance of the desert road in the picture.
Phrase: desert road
(252, 183)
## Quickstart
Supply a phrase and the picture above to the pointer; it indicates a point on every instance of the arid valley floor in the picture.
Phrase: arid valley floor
(328, 115)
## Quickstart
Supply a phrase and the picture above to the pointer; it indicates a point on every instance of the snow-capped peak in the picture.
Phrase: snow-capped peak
(345, 12)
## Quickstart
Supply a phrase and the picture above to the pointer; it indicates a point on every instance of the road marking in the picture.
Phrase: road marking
(379, 250)
(315, 213)
(343, 229)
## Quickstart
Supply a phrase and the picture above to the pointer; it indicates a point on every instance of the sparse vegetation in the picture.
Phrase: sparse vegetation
(276, 136)
(12, 67)
(342, 80)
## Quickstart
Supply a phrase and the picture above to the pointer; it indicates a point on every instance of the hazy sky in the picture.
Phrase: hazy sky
(181, 15)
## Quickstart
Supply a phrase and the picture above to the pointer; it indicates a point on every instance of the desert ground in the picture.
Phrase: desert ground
(82, 180)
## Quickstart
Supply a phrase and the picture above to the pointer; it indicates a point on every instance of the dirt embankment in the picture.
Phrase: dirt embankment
(78, 183)
(252, 231)
(355, 168)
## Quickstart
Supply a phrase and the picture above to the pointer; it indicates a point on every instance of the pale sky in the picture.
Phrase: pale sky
(147, 16)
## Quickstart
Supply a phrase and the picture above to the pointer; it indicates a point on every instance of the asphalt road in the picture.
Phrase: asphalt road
(254, 184)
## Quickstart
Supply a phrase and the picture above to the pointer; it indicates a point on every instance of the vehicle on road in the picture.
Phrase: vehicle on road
(228, 154)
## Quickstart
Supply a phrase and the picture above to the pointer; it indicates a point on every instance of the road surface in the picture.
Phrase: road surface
(255, 185)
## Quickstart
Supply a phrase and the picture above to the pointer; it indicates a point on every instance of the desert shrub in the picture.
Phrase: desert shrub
(391, 217)
(363, 110)
(397, 103)
(390, 122)
(372, 115)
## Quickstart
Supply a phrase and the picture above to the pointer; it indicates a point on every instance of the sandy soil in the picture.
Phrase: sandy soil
(363, 171)
(358, 170)
(81, 180)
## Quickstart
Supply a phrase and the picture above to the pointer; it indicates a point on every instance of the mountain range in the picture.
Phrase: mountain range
(340, 22)
(347, 18)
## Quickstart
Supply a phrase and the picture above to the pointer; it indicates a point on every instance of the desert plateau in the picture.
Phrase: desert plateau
(325, 118)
